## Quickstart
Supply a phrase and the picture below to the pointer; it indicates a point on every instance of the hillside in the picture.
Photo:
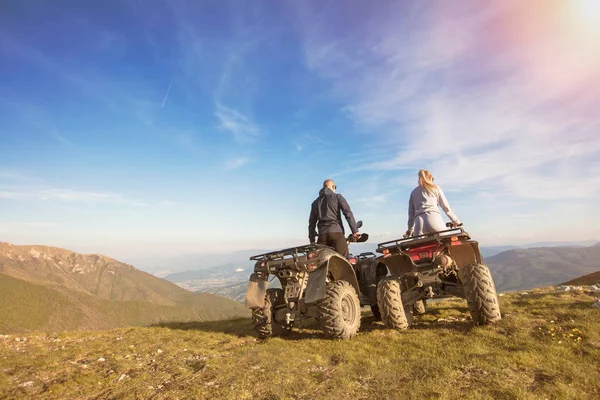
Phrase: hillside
(71, 291)
(589, 279)
(527, 268)
(546, 346)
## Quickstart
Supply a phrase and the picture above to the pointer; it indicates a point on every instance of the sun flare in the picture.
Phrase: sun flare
(586, 13)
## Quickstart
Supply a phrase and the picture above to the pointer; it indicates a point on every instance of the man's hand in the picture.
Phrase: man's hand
(408, 233)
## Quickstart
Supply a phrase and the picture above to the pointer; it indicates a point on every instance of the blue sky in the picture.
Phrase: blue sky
(137, 128)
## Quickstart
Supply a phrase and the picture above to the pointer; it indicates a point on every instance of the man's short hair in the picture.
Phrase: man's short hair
(327, 182)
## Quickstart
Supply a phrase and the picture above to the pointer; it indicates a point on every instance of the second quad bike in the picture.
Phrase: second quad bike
(316, 282)
(438, 265)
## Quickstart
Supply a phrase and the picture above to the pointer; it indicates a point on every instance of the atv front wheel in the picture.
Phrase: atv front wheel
(339, 311)
(420, 307)
(480, 293)
(389, 300)
(262, 317)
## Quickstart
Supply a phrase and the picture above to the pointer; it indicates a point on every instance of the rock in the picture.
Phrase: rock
(563, 288)
(596, 304)
(594, 288)
(101, 359)
(159, 351)
(500, 294)
(26, 384)
(524, 294)
(577, 288)
(123, 376)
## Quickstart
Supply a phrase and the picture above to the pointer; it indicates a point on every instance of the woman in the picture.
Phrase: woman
(423, 207)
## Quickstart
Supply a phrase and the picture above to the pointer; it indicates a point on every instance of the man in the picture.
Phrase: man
(325, 213)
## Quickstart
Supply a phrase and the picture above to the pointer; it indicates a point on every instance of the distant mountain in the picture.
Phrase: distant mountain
(589, 279)
(537, 267)
(597, 244)
(217, 272)
(42, 282)
(582, 243)
(489, 251)
(163, 266)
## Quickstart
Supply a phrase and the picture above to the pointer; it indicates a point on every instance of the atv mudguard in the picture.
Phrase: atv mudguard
(257, 289)
(340, 270)
(465, 254)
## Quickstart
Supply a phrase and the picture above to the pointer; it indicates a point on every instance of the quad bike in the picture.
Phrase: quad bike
(438, 265)
(369, 272)
(316, 282)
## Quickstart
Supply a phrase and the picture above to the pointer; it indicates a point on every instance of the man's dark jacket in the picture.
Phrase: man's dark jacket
(326, 214)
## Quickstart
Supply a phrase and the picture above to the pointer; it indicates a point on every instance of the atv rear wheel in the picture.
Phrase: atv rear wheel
(263, 318)
(389, 300)
(420, 307)
(339, 311)
(480, 293)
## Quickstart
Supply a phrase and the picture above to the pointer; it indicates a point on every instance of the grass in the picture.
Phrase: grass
(546, 346)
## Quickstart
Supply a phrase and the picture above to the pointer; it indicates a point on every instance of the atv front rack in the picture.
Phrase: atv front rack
(436, 237)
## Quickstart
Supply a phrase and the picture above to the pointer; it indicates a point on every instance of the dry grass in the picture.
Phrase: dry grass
(546, 346)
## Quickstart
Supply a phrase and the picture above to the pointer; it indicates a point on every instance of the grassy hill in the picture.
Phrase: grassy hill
(589, 279)
(28, 306)
(537, 267)
(546, 346)
(49, 288)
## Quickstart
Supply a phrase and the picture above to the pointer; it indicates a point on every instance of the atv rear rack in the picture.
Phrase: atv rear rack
(406, 243)
(292, 252)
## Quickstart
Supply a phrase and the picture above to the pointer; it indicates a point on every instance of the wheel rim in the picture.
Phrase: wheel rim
(348, 309)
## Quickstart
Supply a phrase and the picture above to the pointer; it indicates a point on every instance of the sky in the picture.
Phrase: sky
(139, 128)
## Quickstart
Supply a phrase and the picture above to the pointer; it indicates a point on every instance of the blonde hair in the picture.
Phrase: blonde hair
(426, 181)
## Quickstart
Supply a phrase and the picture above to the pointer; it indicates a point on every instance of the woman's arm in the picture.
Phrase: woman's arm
(411, 213)
(443, 202)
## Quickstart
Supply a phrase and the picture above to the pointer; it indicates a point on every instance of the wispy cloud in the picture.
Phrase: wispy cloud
(237, 163)
(241, 126)
(166, 95)
(317, 140)
(299, 146)
(67, 195)
(462, 92)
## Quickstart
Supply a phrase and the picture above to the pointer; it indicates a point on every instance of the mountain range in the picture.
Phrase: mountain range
(52, 288)
(512, 269)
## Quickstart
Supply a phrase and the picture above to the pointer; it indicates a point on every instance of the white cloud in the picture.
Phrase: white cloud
(464, 93)
(237, 163)
(242, 127)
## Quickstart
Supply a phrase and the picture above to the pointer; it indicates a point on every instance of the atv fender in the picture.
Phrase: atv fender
(255, 294)
(338, 268)
(465, 254)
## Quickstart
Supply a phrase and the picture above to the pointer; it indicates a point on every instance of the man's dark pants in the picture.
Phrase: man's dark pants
(337, 240)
